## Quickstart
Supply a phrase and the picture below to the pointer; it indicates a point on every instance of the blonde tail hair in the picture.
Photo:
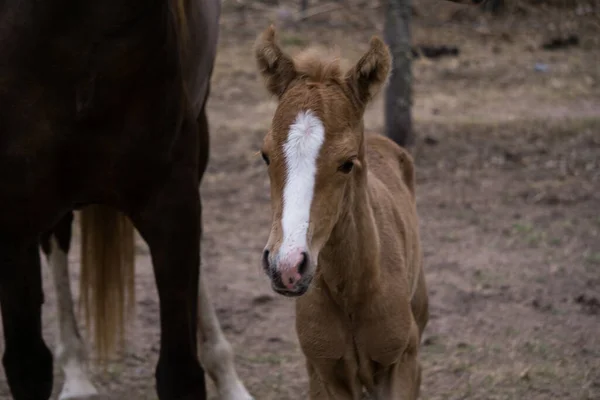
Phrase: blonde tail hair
(107, 283)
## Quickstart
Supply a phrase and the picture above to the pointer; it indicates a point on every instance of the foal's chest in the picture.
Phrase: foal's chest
(376, 334)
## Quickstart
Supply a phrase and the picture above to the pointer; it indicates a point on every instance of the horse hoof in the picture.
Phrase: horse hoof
(238, 392)
(80, 391)
(239, 396)
(79, 397)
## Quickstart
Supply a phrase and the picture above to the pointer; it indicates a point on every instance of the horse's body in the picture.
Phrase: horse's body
(345, 237)
(103, 103)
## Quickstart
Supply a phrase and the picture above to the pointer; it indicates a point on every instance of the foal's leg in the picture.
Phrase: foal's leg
(216, 353)
(333, 379)
(27, 361)
(70, 351)
(402, 380)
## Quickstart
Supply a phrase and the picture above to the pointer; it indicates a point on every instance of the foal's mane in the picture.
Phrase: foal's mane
(318, 65)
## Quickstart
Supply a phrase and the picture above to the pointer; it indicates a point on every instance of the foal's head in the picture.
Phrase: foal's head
(314, 151)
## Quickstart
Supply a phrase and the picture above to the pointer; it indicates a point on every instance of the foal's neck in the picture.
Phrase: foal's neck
(351, 256)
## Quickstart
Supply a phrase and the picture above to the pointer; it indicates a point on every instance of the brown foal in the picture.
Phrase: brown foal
(344, 238)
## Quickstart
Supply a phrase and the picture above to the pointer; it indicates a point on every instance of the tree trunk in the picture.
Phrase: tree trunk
(493, 6)
(398, 94)
(303, 5)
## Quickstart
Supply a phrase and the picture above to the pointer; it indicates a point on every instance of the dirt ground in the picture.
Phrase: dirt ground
(508, 174)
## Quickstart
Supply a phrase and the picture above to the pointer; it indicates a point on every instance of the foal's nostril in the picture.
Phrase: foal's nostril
(265, 260)
(303, 264)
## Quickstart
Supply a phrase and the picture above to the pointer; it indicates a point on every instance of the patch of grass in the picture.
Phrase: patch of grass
(451, 238)
(488, 278)
(546, 372)
(530, 235)
(435, 348)
(522, 228)
(464, 347)
(593, 258)
(293, 40)
(460, 367)
(534, 239)
(115, 370)
(487, 381)
(511, 332)
(538, 349)
(554, 241)
(497, 349)
(270, 359)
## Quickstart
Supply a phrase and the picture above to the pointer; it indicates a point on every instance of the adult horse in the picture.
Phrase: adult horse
(103, 104)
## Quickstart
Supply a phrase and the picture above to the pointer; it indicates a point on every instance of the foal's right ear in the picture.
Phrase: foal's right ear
(276, 67)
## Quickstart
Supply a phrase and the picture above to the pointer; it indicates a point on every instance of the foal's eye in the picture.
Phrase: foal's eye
(265, 157)
(346, 167)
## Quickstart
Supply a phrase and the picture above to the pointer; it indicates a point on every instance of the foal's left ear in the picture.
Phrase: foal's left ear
(370, 72)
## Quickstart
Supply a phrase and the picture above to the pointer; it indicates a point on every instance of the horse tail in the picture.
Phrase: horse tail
(107, 283)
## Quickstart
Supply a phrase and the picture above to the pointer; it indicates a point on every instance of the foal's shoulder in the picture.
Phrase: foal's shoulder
(385, 154)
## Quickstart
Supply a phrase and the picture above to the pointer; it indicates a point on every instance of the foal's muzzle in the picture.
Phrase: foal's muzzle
(289, 273)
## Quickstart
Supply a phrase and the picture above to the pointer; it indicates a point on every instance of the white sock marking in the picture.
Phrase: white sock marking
(216, 353)
(69, 352)
(301, 149)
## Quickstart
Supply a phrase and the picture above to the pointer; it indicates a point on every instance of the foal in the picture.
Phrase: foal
(344, 238)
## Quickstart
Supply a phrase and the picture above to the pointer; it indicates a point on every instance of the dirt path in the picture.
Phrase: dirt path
(508, 175)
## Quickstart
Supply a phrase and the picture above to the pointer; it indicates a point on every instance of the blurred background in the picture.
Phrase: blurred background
(500, 105)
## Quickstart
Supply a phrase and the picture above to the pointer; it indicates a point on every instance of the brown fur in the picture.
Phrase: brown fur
(107, 108)
(107, 283)
(360, 321)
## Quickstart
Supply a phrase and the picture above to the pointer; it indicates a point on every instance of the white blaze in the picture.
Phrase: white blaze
(301, 150)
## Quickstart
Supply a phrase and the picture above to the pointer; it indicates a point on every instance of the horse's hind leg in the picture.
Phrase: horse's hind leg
(216, 353)
(70, 351)
(27, 361)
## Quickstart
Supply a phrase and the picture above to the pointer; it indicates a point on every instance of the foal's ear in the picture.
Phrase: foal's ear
(276, 67)
(370, 72)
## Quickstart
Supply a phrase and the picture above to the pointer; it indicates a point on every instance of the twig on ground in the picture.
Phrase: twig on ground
(317, 10)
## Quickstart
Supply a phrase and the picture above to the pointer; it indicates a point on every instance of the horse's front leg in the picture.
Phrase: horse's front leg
(27, 361)
(170, 223)
(333, 379)
(70, 351)
(401, 380)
